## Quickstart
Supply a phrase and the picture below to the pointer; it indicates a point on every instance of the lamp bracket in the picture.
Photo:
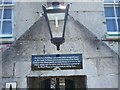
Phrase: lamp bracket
(58, 41)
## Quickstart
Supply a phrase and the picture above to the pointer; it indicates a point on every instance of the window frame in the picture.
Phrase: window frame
(2, 7)
(113, 34)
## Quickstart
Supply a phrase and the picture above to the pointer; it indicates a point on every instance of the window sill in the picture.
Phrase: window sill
(6, 35)
(6, 40)
(6, 5)
(112, 37)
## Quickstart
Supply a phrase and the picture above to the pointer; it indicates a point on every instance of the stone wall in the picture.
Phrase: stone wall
(100, 63)
(90, 13)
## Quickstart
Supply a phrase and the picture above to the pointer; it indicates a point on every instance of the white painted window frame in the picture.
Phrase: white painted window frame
(12, 19)
(113, 4)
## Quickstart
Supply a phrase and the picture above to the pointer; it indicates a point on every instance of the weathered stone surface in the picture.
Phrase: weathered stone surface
(86, 6)
(105, 81)
(25, 14)
(22, 68)
(38, 32)
(21, 82)
(98, 59)
(93, 20)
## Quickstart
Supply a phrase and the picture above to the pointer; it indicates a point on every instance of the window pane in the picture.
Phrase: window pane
(7, 1)
(109, 12)
(1, 1)
(118, 11)
(0, 27)
(7, 14)
(7, 27)
(108, 1)
(119, 25)
(117, 1)
(0, 13)
(111, 25)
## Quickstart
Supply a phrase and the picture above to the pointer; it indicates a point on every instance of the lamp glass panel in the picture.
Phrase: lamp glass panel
(56, 21)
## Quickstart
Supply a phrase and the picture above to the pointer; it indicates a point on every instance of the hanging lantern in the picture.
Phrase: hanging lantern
(56, 18)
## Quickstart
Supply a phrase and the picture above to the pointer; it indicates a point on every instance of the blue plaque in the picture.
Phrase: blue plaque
(63, 61)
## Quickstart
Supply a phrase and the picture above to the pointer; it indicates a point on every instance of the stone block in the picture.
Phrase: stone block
(90, 67)
(95, 22)
(107, 66)
(86, 6)
(102, 81)
(22, 69)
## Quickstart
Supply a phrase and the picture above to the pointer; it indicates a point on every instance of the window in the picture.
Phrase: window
(112, 14)
(6, 18)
